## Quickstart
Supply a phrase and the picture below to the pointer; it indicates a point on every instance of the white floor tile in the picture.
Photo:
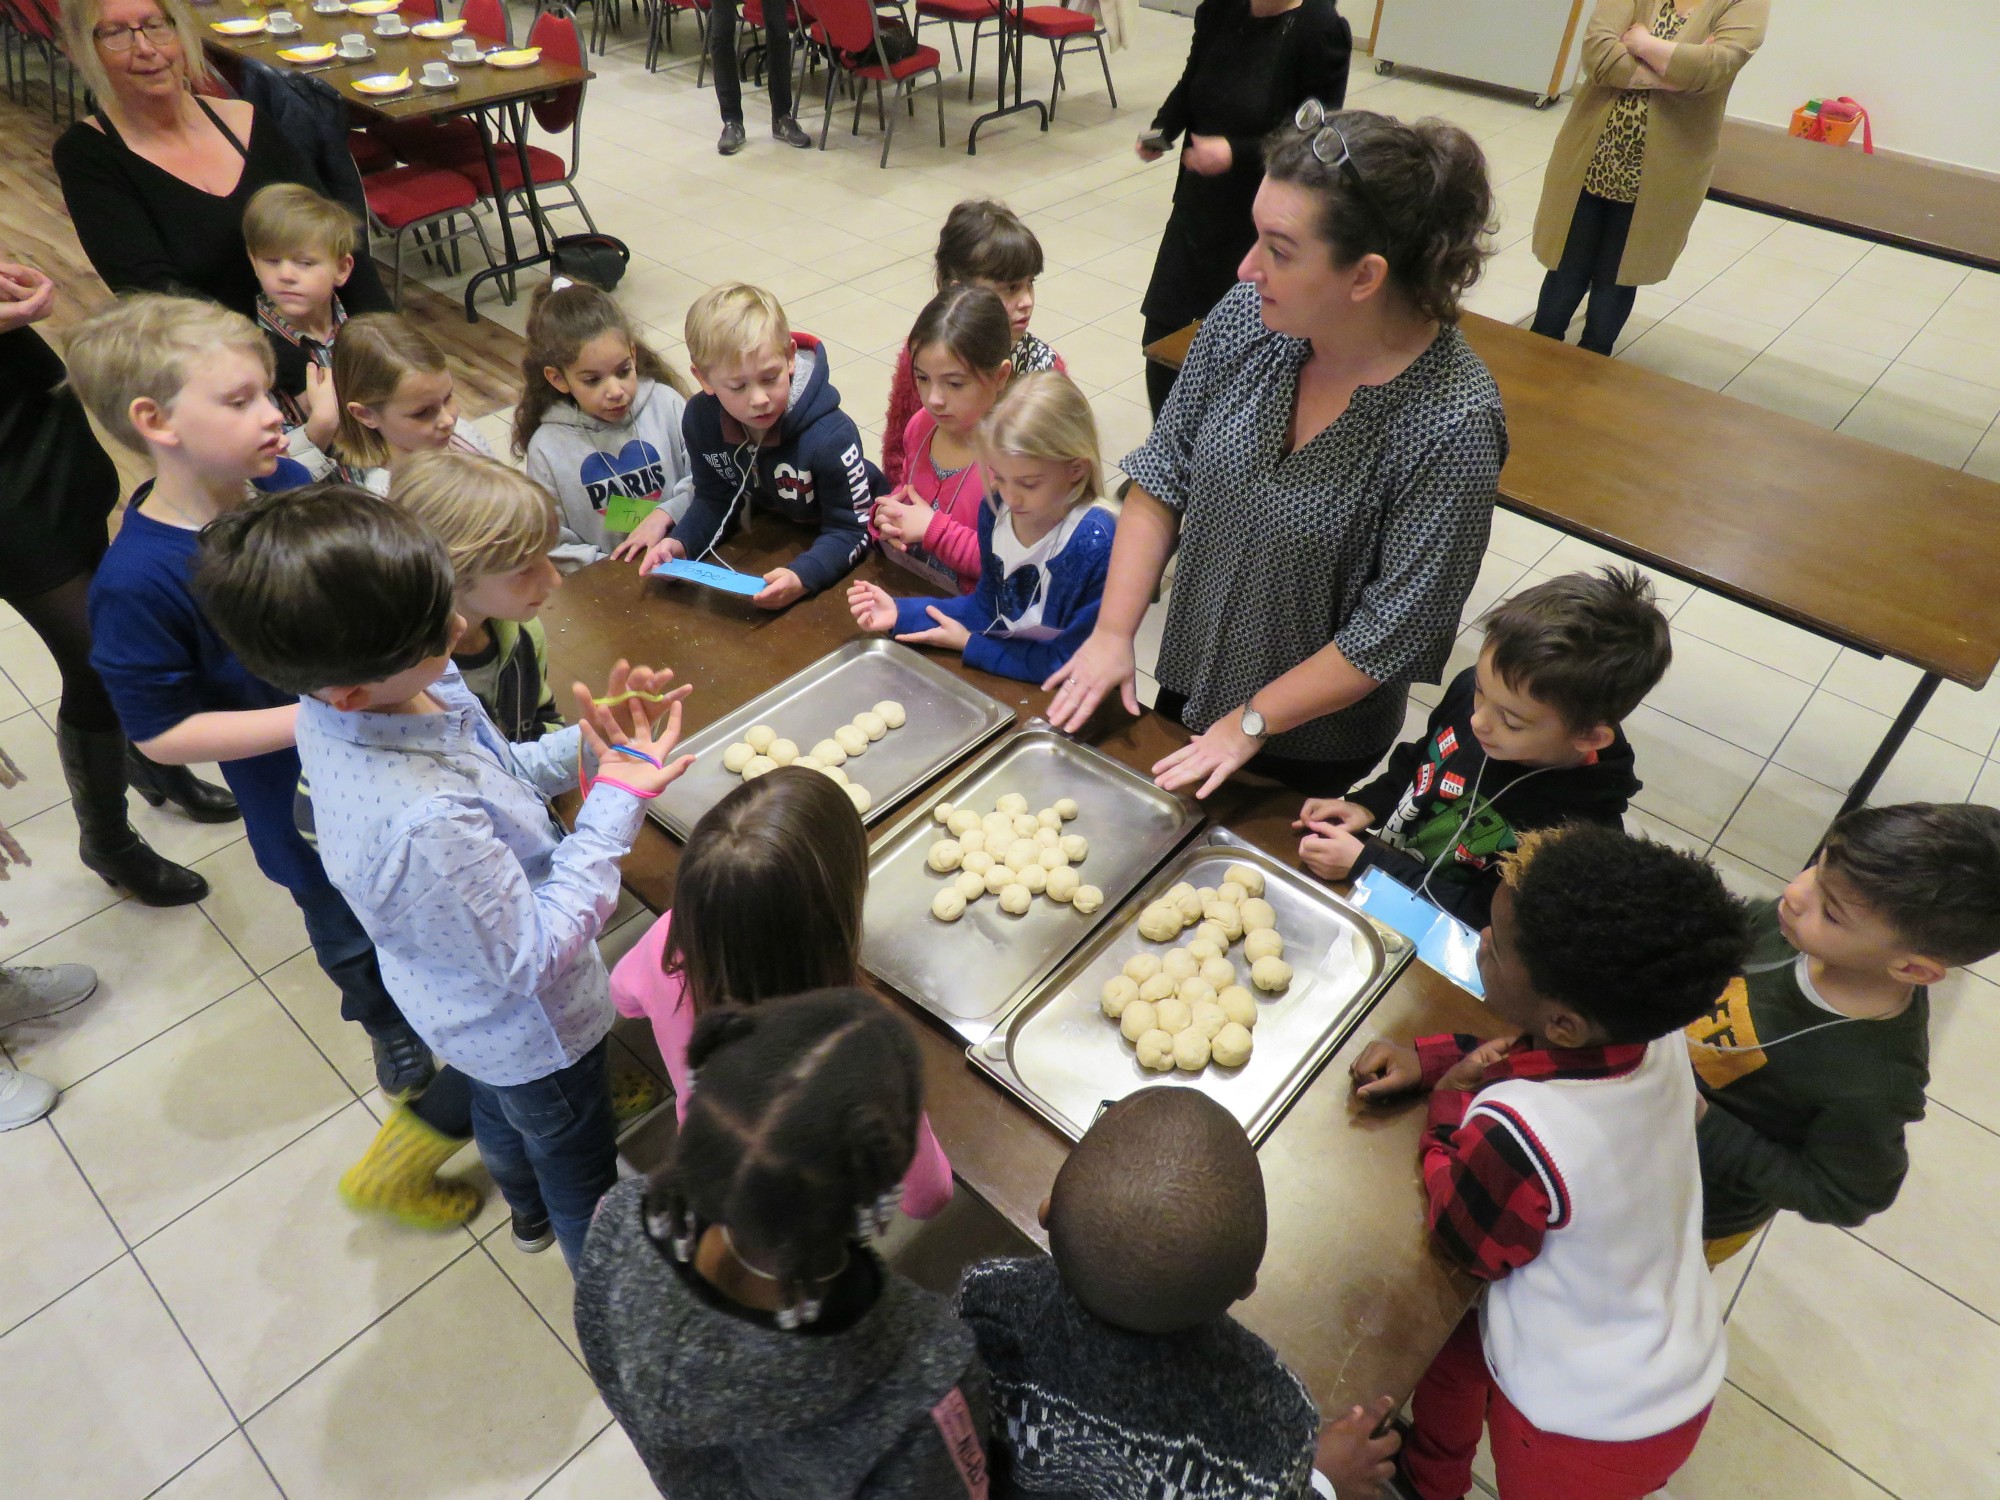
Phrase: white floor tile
(56, 892)
(1781, 822)
(230, 1470)
(54, 1233)
(1693, 779)
(1939, 1224)
(257, 915)
(608, 1469)
(1730, 695)
(1751, 633)
(1746, 1453)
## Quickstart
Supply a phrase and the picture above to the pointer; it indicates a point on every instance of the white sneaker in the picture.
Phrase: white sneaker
(28, 993)
(24, 1098)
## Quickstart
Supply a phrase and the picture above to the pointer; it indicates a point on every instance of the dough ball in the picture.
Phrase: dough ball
(998, 879)
(1119, 991)
(871, 724)
(1239, 1005)
(860, 796)
(1263, 943)
(1202, 949)
(1195, 992)
(947, 905)
(784, 752)
(1207, 894)
(973, 841)
(853, 741)
(1011, 803)
(760, 737)
(1022, 853)
(1066, 808)
(1227, 916)
(1138, 1019)
(1156, 988)
(891, 712)
(1211, 933)
(807, 763)
(1271, 974)
(1047, 838)
(1190, 1050)
(1189, 907)
(1258, 914)
(1248, 876)
(978, 861)
(945, 855)
(1048, 817)
(969, 885)
(999, 830)
(1231, 1047)
(1175, 892)
(1015, 899)
(833, 774)
(963, 820)
(759, 765)
(737, 756)
(1209, 1018)
(1141, 967)
(1025, 825)
(1076, 846)
(1159, 922)
(1174, 1014)
(1087, 898)
(1219, 972)
(1156, 1051)
(1231, 892)
(828, 753)
(1064, 884)
(1052, 859)
(1034, 877)
(943, 811)
(1180, 964)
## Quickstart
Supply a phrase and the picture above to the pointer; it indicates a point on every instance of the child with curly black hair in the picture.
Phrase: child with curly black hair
(731, 1311)
(1597, 1351)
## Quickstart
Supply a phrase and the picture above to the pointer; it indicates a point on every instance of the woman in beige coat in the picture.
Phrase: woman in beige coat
(1634, 158)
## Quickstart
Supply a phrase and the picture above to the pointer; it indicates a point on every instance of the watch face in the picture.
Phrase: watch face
(1253, 723)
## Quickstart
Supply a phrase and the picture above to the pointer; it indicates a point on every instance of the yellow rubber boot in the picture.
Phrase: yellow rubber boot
(634, 1091)
(398, 1176)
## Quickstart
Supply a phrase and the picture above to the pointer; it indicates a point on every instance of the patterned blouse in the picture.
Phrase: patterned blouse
(1368, 537)
(1621, 148)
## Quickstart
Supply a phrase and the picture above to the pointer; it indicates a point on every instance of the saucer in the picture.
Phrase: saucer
(450, 81)
(341, 54)
(322, 9)
(277, 30)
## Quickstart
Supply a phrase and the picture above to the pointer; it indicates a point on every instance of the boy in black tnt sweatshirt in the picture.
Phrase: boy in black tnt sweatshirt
(1527, 738)
(767, 431)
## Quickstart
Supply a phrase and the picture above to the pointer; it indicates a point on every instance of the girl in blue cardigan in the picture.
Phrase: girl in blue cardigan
(1044, 543)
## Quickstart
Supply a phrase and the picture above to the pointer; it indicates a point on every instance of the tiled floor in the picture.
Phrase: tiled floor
(187, 1312)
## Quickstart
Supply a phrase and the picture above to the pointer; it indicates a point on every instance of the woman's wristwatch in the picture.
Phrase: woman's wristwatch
(1253, 722)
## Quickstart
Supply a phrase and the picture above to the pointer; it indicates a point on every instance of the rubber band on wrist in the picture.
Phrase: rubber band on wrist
(623, 787)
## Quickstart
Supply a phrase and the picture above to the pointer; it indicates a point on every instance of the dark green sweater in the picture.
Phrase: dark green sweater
(1814, 1124)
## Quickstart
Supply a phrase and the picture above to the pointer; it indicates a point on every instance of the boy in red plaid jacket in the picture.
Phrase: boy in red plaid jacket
(1560, 1167)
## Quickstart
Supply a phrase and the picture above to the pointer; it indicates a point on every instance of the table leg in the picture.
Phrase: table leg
(1010, 55)
(515, 261)
(1864, 785)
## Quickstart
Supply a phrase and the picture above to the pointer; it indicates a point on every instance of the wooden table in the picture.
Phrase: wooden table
(1930, 207)
(1884, 553)
(480, 91)
(1350, 1292)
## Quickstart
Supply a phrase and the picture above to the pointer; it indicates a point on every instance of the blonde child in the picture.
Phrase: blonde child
(396, 398)
(767, 903)
(960, 351)
(983, 243)
(302, 248)
(1044, 548)
(600, 425)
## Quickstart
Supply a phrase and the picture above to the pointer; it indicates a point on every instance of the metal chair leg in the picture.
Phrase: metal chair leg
(1104, 61)
(888, 126)
(1055, 88)
(972, 72)
(937, 93)
(826, 115)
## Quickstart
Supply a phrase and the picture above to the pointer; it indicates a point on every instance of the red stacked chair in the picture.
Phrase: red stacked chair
(406, 200)
(660, 32)
(435, 141)
(1063, 28)
(850, 32)
(977, 14)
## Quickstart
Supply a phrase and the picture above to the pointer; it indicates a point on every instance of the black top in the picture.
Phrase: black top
(145, 230)
(57, 484)
(1246, 75)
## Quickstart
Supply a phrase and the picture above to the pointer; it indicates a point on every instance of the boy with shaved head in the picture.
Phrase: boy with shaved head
(1117, 1371)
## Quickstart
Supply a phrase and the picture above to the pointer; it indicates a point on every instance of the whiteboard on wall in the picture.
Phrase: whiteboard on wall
(1521, 44)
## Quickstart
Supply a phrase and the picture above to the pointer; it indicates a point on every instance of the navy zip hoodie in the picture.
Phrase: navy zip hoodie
(814, 474)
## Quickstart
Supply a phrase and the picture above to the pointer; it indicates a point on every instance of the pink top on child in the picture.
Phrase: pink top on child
(640, 986)
(948, 557)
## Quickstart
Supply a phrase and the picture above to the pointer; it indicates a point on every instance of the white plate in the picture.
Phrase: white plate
(382, 85)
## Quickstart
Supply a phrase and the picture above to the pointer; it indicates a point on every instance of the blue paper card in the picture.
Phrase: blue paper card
(710, 576)
(1443, 942)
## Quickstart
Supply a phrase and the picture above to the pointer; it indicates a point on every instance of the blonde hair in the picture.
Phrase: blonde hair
(79, 28)
(491, 518)
(561, 320)
(735, 321)
(283, 218)
(370, 358)
(144, 347)
(1514, 863)
(1044, 415)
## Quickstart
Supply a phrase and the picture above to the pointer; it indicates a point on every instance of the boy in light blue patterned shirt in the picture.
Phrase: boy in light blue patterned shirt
(438, 831)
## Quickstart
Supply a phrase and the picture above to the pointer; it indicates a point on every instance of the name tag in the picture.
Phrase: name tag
(623, 513)
(708, 575)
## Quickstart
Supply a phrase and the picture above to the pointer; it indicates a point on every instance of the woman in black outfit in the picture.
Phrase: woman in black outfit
(1253, 63)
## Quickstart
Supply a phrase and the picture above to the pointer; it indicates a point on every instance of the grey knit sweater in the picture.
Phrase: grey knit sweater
(723, 1406)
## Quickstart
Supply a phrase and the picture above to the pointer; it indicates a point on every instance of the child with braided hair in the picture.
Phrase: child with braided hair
(737, 1323)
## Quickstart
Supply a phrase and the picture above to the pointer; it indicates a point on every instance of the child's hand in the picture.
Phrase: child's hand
(1331, 855)
(902, 518)
(659, 552)
(1352, 1456)
(1468, 1074)
(1335, 813)
(874, 611)
(947, 633)
(322, 408)
(26, 295)
(639, 541)
(781, 588)
(626, 720)
(1386, 1069)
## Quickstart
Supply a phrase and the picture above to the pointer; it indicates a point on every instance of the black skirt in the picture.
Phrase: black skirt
(57, 484)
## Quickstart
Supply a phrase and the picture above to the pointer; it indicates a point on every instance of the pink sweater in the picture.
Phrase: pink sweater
(1030, 354)
(952, 538)
(641, 987)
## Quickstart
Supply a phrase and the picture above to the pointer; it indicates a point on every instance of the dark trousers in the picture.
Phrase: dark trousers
(1312, 778)
(1589, 264)
(552, 1145)
(347, 956)
(777, 58)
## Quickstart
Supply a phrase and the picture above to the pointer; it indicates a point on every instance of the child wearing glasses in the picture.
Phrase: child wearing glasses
(1044, 543)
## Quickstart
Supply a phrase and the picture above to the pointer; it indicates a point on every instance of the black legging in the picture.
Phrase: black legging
(1590, 259)
(61, 617)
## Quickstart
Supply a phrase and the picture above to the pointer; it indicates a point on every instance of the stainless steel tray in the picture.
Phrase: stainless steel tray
(948, 719)
(968, 973)
(1065, 1061)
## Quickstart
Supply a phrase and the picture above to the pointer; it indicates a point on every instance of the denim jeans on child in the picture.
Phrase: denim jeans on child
(347, 955)
(552, 1145)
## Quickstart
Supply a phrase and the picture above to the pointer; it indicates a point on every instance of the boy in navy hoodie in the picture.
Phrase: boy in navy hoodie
(767, 430)
(1527, 738)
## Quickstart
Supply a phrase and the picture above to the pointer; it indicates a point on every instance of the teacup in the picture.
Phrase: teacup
(437, 74)
(328, 7)
(464, 48)
(281, 21)
(354, 44)
(391, 25)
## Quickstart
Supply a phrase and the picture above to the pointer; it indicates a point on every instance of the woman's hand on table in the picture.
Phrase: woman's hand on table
(1207, 155)
(782, 589)
(640, 541)
(26, 296)
(1210, 758)
(1386, 1069)
(902, 518)
(627, 719)
(1329, 852)
(1101, 664)
(661, 551)
(947, 634)
(874, 611)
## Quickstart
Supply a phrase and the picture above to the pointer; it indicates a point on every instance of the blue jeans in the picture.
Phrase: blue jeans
(552, 1145)
(347, 956)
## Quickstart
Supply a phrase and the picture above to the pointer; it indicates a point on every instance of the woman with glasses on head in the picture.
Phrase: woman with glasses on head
(157, 178)
(1637, 149)
(1252, 64)
(1325, 470)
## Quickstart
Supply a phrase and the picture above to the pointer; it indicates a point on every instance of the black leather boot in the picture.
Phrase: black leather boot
(178, 785)
(93, 763)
